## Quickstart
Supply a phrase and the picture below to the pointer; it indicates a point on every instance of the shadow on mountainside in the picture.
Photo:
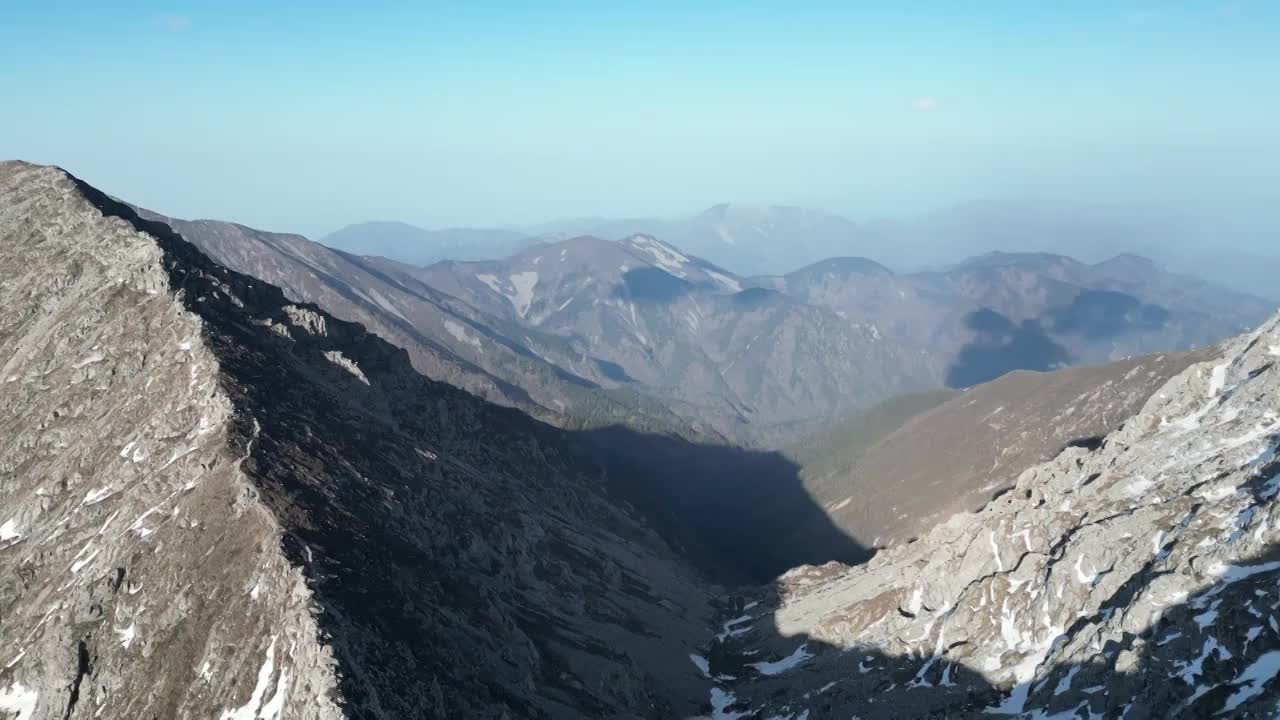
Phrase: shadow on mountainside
(1000, 346)
(733, 511)
(461, 554)
(1102, 314)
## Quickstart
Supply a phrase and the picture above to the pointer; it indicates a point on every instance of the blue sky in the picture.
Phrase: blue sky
(307, 116)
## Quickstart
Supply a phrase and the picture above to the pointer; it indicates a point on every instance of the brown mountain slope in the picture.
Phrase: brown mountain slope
(959, 454)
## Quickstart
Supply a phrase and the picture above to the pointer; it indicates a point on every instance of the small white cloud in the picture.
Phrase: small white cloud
(926, 104)
(174, 23)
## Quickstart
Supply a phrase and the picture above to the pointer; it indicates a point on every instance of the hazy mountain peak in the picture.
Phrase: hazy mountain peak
(844, 266)
(1130, 265)
(415, 245)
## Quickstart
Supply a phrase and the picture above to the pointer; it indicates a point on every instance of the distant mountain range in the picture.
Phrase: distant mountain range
(588, 332)
(418, 246)
(773, 239)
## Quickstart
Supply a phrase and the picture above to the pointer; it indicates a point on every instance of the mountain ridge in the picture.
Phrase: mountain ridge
(299, 449)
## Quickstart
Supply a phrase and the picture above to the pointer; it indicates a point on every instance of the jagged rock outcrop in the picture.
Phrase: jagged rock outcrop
(221, 504)
(1137, 579)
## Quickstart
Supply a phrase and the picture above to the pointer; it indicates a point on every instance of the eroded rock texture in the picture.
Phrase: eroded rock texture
(1138, 579)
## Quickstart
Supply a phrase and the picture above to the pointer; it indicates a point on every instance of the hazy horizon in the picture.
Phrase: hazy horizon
(308, 119)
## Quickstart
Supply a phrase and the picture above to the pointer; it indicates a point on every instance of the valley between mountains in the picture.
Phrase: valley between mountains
(249, 477)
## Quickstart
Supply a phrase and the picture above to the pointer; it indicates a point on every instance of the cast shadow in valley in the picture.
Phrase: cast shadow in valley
(1103, 314)
(735, 512)
(1001, 346)
(652, 285)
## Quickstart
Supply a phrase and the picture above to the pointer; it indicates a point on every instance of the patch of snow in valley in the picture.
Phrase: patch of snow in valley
(721, 701)
(127, 635)
(9, 531)
(730, 629)
(1189, 671)
(256, 709)
(382, 302)
(19, 699)
(459, 333)
(1253, 679)
(662, 254)
(701, 663)
(492, 281)
(93, 358)
(727, 282)
(995, 550)
(80, 564)
(842, 504)
(778, 667)
(1083, 576)
(1218, 379)
(524, 283)
(1227, 574)
(97, 496)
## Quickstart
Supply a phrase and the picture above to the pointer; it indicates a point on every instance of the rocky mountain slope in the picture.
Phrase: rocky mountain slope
(1136, 577)
(221, 503)
(754, 364)
(447, 339)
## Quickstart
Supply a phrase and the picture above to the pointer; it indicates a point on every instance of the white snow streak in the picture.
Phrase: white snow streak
(492, 282)
(780, 666)
(255, 709)
(19, 699)
(720, 702)
(126, 635)
(523, 283)
(459, 333)
(9, 531)
(1254, 678)
(701, 664)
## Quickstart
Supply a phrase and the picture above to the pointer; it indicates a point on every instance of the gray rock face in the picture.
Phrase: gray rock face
(1138, 579)
(221, 504)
